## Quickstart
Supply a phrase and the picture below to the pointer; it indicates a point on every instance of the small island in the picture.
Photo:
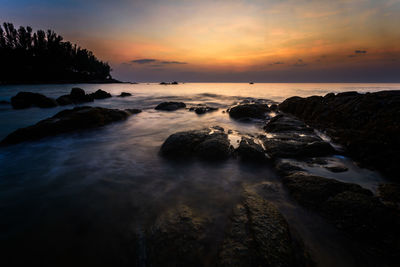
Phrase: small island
(29, 57)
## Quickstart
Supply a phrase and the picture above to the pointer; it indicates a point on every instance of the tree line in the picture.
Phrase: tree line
(43, 57)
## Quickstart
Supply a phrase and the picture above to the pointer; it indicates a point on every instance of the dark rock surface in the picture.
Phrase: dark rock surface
(124, 94)
(133, 110)
(291, 138)
(66, 121)
(208, 144)
(249, 150)
(178, 238)
(251, 110)
(389, 193)
(100, 94)
(258, 235)
(4, 102)
(27, 99)
(368, 125)
(170, 106)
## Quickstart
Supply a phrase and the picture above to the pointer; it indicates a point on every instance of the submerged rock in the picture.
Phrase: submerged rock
(207, 144)
(178, 238)
(65, 121)
(389, 193)
(257, 235)
(124, 94)
(252, 111)
(170, 106)
(4, 102)
(367, 125)
(100, 94)
(27, 99)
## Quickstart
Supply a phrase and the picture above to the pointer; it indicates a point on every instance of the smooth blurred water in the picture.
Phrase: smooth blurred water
(82, 197)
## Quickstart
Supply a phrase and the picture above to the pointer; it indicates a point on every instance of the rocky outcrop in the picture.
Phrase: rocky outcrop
(257, 235)
(76, 96)
(368, 125)
(65, 121)
(27, 99)
(100, 94)
(124, 94)
(249, 111)
(389, 193)
(249, 150)
(170, 106)
(208, 144)
(290, 138)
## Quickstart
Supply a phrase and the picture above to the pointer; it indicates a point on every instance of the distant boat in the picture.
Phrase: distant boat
(251, 83)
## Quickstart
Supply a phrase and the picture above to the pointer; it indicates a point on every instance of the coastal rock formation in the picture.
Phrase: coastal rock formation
(368, 125)
(178, 238)
(124, 94)
(65, 121)
(100, 94)
(251, 110)
(208, 144)
(170, 106)
(257, 235)
(27, 99)
(201, 109)
(291, 138)
(389, 193)
(4, 102)
(76, 96)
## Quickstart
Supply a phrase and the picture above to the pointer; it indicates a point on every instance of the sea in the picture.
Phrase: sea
(87, 198)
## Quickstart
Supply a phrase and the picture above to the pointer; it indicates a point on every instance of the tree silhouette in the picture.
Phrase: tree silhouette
(43, 57)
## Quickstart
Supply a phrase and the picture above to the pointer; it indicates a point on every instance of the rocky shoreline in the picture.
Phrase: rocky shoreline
(367, 127)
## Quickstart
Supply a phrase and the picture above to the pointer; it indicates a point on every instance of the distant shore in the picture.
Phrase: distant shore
(107, 81)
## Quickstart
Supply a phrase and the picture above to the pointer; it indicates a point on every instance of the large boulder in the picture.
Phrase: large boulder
(367, 125)
(208, 144)
(27, 99)
(258, 235)
(65, 121)
(170, 106)
(100, 94)
(251, 110)
(124, 94)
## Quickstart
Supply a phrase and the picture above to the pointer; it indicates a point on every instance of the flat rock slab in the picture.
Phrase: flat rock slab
(69, 120)
(27, 99)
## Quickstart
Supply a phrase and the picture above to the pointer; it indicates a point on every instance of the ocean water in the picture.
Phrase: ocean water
(85, 197)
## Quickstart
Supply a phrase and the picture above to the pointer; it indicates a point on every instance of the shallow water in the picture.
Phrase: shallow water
(82, 197)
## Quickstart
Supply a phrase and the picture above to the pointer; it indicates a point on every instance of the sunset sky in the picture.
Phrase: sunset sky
(228, 40)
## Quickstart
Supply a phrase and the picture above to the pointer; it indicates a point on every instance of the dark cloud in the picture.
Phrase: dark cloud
(156, 61)
(299, 63)
(277, 63)
(360, 51)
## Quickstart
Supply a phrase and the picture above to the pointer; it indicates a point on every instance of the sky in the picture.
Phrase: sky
(227, 40)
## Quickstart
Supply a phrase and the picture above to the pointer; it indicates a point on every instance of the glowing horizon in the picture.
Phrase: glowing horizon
(235, 40)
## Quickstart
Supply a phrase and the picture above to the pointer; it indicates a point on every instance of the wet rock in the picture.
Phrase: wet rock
(124, 94)
(100, 94)
(248, 150)
(178, 238)
(285, 168)
(337, 168)
(201, 109)
(133, 110)
(389, 193)
(284, 123)
(76, 96)
(207, 144)
(258, 235)
(273, 107)
(27, 99)
(65, 121)
(4, 102)
(170, 106)
(367, 125)
(253, 111)
(313, 191)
